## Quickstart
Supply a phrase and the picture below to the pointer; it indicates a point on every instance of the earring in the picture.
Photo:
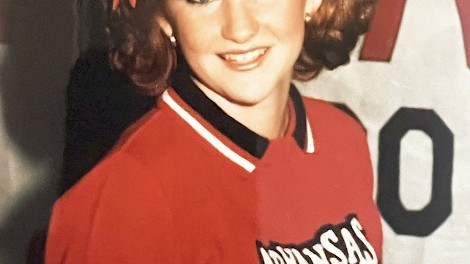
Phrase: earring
(307, 17)
(173, 41)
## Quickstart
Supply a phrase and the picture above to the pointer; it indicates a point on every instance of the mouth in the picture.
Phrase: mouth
(244, 60)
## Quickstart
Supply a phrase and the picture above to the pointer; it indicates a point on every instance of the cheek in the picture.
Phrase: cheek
(186, 25)
(287, 21)
(194, 40)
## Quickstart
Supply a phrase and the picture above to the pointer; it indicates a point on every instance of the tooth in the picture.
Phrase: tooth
(243, 58)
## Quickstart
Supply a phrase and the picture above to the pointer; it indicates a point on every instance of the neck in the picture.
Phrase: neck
(268, 118)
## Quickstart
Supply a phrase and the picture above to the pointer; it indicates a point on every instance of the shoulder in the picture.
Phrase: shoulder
(137, 155)
(332, 119)
(103, 214)
(116, 178)
(123, 172)
(340, 139)
(130, 187)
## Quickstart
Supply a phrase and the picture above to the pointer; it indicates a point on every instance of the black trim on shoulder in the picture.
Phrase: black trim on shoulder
(245, 138)
(300, 131)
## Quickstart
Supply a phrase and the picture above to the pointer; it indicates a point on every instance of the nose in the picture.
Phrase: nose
(239, 21)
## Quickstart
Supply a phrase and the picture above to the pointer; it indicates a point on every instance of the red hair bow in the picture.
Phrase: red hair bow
(133, 3)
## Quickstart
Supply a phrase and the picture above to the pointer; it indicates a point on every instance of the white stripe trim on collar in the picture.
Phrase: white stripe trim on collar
(206, 134)
(310, 145)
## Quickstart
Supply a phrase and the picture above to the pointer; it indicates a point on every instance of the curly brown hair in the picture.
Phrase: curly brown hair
(143, 52)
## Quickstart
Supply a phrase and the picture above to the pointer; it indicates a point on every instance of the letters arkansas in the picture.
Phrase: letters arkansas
(345, 243)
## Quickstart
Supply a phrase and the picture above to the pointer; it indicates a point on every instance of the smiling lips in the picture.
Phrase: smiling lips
(244, 60)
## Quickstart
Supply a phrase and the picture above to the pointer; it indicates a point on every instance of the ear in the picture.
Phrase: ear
(165, 25)
(311, 6)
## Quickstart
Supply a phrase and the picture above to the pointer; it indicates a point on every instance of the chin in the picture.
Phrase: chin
(249, 95)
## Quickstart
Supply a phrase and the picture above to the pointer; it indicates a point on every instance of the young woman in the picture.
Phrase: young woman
(233, 166)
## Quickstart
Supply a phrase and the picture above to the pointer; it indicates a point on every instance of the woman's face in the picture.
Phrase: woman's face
(243, 50)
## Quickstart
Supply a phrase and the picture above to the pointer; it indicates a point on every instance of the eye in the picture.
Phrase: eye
(199, 1)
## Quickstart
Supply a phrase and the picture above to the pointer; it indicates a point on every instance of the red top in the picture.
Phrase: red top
(177, 190)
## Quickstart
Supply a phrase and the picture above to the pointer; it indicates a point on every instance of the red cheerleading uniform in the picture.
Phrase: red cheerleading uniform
(189, 184)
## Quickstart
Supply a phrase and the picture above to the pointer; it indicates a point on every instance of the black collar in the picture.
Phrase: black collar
(250, 141)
